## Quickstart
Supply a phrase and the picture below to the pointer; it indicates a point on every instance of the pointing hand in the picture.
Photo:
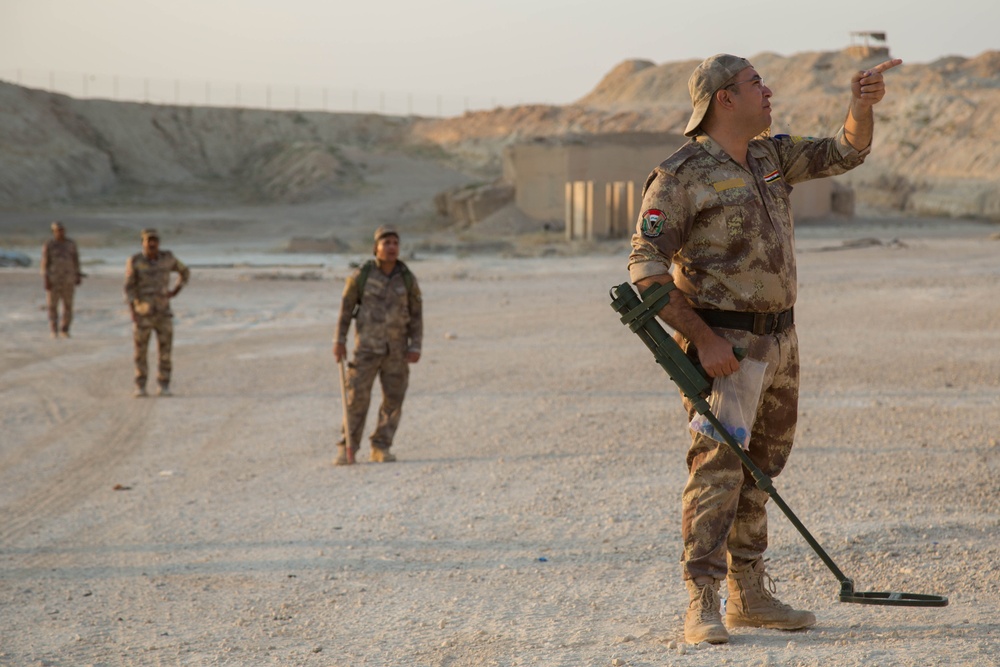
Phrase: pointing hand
(868, 86)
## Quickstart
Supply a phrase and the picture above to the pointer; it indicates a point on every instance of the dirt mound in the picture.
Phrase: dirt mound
(298, 171)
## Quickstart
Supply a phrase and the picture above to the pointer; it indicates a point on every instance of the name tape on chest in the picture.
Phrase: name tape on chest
(728, 184)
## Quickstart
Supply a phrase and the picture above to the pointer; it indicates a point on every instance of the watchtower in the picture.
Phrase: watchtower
(868, 44)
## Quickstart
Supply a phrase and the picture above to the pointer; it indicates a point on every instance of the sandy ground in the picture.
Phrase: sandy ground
(533, 517)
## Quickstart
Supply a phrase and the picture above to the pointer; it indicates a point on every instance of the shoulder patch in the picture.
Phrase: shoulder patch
(772, 177)
(652, 223)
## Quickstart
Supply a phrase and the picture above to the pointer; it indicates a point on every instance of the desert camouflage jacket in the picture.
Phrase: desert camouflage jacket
(390, 318)
(727, 231)
(60, 262)
(147, 282)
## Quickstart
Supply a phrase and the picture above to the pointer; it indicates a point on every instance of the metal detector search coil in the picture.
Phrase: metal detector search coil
(640, 316)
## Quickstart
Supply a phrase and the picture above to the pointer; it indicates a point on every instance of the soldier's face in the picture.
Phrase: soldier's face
(58, 233)
(151, 246)
(387, 248)
(752, 99)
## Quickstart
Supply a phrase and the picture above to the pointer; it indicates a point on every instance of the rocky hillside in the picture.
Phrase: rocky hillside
(57, 149)
(937, 145)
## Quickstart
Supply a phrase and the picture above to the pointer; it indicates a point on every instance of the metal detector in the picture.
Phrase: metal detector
(640, 317)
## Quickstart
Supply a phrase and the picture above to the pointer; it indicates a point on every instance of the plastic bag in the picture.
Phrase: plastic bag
(734, 402)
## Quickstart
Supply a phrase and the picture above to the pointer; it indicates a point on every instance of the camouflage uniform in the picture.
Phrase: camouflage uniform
(389, 324)
(728, 233)
(147, 287)
(61, 270)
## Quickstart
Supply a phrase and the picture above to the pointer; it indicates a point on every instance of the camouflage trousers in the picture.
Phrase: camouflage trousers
(142, 329)
(723, 512)
(394, 375)
(63, 293)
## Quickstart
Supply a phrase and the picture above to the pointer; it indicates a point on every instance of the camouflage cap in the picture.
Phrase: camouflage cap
(707, 78)
(150, 234)
(385, 230)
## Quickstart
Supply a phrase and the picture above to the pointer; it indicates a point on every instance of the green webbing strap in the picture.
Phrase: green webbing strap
(654, 299)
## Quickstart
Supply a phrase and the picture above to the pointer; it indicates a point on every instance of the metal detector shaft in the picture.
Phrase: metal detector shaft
(764, 483)
(640, 316)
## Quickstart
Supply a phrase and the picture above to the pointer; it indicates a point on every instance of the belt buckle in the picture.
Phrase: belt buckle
(760, 327)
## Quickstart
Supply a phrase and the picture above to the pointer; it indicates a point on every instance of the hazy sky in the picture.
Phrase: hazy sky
(482, 51)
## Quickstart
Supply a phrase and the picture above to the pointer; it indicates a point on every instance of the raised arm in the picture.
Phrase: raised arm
(867, 90)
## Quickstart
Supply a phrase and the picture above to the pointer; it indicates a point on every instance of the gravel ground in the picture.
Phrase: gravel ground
(533, 516)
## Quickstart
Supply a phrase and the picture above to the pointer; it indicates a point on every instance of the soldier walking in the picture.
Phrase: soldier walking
(384, 298)
(61, 273)
(148, 293)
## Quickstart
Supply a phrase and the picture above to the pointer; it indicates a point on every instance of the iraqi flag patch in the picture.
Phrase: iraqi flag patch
(772, 177)
(652, 223)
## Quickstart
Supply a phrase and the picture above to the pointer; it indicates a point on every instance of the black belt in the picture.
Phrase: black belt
(756, 323)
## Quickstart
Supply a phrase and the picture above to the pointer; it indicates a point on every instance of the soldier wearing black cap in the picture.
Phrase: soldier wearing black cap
(148, 294)
(61, 274)
(384, 299)
(716, 221)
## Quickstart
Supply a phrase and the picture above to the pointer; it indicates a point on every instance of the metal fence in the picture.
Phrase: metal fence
(187, 92)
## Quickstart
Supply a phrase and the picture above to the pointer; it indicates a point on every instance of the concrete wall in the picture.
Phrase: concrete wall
(540, 170)
(539, 173)
(593, 183)
(812, 199)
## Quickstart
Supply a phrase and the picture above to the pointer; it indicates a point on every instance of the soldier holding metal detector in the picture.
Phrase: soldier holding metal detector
(716, 228)
(384, 300)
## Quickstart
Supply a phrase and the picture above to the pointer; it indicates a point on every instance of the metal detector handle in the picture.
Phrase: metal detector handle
(739, 352)
(641, 319)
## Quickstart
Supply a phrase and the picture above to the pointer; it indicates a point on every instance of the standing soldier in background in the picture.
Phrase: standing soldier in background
(61, 273)
(148, 293)
(384, 297)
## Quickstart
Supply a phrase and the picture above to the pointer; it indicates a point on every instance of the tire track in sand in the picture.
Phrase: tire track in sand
(86, 472)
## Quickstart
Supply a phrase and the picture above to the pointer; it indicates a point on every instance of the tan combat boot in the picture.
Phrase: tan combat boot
(703, 622)
(341, 458)
(380, 455)
(752, 604)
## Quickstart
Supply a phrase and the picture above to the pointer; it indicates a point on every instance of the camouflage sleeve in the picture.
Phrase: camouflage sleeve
(663, 225)
(182, 269)
(347, 303)
(805, 158)
(415, 329)
(45, 260)
(76, 262)
(130, 281)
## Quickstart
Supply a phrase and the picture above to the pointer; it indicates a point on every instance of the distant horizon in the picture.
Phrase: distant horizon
(442, 57)
(287, 97)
